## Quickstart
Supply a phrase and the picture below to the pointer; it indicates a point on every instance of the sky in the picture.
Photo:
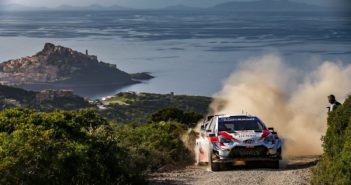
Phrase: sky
(150, 3)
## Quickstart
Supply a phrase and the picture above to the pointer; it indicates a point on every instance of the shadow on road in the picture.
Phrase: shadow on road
(302, 162)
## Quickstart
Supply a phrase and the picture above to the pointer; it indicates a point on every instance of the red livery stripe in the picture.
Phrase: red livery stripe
(227, 136)
(265, 133)
(214, 139)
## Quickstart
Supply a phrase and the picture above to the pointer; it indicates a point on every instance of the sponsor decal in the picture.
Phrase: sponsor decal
(247, 134)
(236, 119)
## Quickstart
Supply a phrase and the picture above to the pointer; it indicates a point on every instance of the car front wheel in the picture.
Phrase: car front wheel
(214, 166)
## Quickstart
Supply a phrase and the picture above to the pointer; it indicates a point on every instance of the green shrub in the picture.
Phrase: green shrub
(137, 107)
(66, 147)
(61, 148)
(174, 114)
(154, 145)
(335, 165)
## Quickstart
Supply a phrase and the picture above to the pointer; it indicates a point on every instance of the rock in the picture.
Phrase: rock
(58, 67)
(142, 76)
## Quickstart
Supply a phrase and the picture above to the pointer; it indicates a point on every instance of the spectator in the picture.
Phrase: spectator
(333, 103)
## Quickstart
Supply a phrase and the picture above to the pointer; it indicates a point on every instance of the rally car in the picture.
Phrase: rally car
(228, 139)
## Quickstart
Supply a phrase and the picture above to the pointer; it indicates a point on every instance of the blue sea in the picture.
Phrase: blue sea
(188, 52)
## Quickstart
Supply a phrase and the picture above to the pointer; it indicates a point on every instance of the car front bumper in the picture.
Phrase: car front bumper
(245, 153)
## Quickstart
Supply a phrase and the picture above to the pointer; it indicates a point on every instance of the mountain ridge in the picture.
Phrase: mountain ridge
(230, 5)
(265, 5)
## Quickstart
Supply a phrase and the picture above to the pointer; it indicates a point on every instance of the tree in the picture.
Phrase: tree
(61, 148)
(174, 114)
(335, 165)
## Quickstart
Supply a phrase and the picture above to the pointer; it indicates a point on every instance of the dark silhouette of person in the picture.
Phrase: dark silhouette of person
(333, 103)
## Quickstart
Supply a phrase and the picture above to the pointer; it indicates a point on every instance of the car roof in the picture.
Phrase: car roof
(236, 116)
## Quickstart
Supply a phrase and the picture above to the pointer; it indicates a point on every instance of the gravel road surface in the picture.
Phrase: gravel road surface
(295, 171)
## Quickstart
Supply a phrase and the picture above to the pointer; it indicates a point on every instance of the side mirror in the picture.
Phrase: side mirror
(212, 135)
(274, 133)
(271, 129)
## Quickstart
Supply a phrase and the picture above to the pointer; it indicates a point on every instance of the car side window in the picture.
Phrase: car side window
(213, 126)
(209, 126)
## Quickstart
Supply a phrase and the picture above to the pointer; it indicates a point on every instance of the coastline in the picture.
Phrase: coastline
(84, 90)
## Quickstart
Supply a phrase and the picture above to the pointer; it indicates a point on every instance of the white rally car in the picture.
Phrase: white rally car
(227, 139)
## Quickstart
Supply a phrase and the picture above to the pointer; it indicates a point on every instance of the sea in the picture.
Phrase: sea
(188, 52)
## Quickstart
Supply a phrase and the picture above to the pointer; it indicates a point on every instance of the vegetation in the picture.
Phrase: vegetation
(21, 95)
(61, 148)
(64, 103)
(137, 108)
(66, 147)
(28, 99)
(174, 114)
(335, 165)
(154, 145)
(122, 108)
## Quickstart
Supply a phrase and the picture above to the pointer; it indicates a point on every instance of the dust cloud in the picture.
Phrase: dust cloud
(290, 99)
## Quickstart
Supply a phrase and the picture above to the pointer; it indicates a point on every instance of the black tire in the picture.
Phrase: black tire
(274, 164)
(214, 166)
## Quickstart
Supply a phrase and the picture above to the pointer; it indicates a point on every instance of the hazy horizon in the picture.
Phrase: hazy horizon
(156, 3)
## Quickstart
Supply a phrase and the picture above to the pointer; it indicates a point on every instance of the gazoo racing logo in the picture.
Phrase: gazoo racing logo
(227, 119)
(243, 133)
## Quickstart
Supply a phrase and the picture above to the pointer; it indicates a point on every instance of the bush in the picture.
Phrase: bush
(137, 107)
(174, 114)
(335, 165)
(154, 145)
(66, 147)
(62, 148)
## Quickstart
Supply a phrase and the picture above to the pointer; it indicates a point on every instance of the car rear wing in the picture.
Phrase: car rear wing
(211, 116)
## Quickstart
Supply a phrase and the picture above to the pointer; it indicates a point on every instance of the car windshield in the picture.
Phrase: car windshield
(239, 124)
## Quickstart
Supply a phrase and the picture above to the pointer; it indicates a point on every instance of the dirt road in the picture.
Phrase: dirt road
(296, 171)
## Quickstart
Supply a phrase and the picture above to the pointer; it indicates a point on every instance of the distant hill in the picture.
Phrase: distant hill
(18, 7)
(138, 107)
(265, 5)
(58, 67)
(124, 107)
(92, 7)
(180, 7)
(255, 5)
(47, 100)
